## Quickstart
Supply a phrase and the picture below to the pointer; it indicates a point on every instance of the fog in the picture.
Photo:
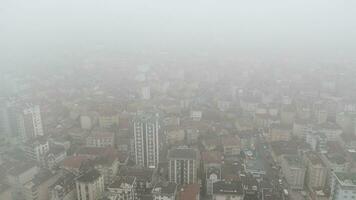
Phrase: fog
(47, 32)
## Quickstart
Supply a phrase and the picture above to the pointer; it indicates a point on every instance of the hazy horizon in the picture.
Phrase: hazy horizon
(39, 32)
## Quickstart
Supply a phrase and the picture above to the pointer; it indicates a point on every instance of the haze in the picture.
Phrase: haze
(36, 32)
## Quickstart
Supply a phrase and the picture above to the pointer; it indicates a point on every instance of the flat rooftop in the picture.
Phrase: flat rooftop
(294, 160)
(182, 153)
(346, 179)
(314, 158)
(89, 176)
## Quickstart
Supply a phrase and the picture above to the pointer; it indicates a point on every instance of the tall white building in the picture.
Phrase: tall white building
(146, 138)
(183, 165)
(146, 93)
(343, 186)
(31, 122)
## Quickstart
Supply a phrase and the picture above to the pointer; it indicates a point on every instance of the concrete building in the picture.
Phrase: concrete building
(317, 172)
(189, 192)
(228, 190)
(196, 115)
(165, 191)
(124, 188)
(90, 185)
(231, 145)
(36, 149)
(301, 128)
(22, 121)
(54, 156)
(100, 139)
(343, 186)
(32, 122)
(331, 130)
(38, 187)
(183, 165)
(5, 127)
(279, 132)
(145, 179)
(293, 171)
(108, 119)
(64, 188)
(19, 176)
(107, 166)
(211, 161)
(146, 93)
(146, 140)
(88, 120)
(255, 168)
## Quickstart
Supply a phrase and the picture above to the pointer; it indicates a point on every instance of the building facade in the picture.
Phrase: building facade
(90, 185)
(343, 186)
(124, 188)
(294, 171)
(317, 172)
(146, 140)
(183, 165)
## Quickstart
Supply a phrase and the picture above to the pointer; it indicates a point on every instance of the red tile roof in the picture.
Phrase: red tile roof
(74, 162)
(189, 192)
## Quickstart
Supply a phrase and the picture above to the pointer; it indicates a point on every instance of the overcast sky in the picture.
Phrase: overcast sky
(33, 30)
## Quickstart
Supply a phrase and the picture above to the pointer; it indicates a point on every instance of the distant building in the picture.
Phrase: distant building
(146, 138)
(343, 186)
(74, 163)
(108, 118)
(293, 171)
(107, 166)
(331, 130)
(54, 156)
(189, 192)
(90, 185)
(146, 93)
(64, 188)
(255, 168)
(212, 168)
(250, 187)
(100, 139)
(123, 188)
(287, 114)
(23, 121)
(231, 145)
(33, 122)
(36, 149)
(317, 172)
(88, 120)
(228, 190)
(38, 187)
(144, 179)
(317, 141)
(5, 126)
(336, 162)
(183, 165)
(19, 176)
(279, 132)
(196, 115)
(301, 128)
(165, 191)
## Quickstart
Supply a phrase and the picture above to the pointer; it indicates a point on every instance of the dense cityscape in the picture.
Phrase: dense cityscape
(177, 100)
(191, 133)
